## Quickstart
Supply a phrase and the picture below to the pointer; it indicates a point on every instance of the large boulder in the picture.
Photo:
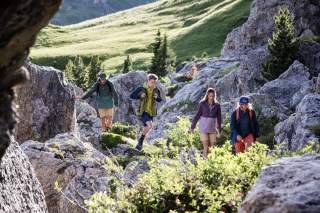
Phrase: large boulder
(301, 127)
(46, 105)
(88, 125)
(20, 22)
(260, 24)
(77, 167)
(289, 185)
(290, 87)
(19, 186)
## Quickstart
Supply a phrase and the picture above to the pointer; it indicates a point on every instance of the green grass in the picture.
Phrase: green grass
(193, 27)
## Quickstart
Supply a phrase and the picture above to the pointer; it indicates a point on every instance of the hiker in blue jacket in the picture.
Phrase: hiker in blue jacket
(148, 94)
(106, 98)
(244, 126)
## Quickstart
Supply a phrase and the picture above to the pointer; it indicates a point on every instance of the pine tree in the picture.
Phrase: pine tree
(92, 71)
(283, 46)
(79, 72)
(163, 57)
(156, 52)
(127, 65)
(68, 71)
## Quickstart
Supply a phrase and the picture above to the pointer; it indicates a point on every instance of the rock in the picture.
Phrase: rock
(20, 22)
(46, 105)
(133, 169)
(16, 39)
(285, 89)
(19, 186)
(76, 166)
(287, 185)
(260, 25)
(312, 50)
(301, 127)
(88, 125)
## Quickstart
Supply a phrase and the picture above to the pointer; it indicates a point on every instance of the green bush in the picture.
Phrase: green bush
(111, 140)
(218, 183)
(179, 136)
(125, 129)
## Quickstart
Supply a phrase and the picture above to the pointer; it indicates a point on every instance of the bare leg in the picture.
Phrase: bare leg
(109, 122)
(103, 122)
(205, 148)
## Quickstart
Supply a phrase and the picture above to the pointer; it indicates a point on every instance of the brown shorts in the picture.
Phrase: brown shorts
(106, 112)
(210, 137)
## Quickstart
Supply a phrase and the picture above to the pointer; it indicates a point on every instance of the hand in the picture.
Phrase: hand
(155, 96)
(143, 95)
(218, 134)
(239, 138)
(77, 98)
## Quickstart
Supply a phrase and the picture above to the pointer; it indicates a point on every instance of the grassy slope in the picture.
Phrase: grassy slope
(193, 26)
(75, 11)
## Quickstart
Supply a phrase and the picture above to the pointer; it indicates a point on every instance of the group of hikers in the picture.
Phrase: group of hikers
(244, 124)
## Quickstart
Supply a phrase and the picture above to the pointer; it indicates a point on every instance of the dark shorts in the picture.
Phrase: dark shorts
(146, 118)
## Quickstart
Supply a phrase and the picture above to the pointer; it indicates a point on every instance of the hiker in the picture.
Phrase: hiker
(148, 94)
(244, 126)
(193, 72)
(209, 114)
(106, 99)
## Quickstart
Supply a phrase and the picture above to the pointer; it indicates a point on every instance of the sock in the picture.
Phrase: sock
(141, 139)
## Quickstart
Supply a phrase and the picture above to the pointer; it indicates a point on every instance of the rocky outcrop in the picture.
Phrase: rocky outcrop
(302, 126)
(88, 125)
(19, 186)
(20, 22)
(287, 185)
(76, 166)
(46, 105)
(16, 39)
(260, 25)
(290, 87)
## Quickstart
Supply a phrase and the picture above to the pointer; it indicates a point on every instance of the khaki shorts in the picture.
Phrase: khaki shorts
(106, 112)
(210, 137)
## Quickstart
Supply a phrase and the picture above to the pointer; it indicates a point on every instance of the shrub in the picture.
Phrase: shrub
(180, 137)
(218, 183)
(125, 129)
(111, 140)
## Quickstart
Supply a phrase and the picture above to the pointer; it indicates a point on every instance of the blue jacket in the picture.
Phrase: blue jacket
(235, 126)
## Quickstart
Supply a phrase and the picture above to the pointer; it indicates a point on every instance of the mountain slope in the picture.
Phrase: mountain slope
(193, 27)
(75, 11)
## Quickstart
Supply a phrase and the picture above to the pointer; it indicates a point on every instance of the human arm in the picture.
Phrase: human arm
(90, 91)
(136, 94)
(196, 117)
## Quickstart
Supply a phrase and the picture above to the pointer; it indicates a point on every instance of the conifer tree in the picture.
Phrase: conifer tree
(282, 46)
(92, 71)
(156, 52)
(79, 72)
(127, 65)
(69, 70)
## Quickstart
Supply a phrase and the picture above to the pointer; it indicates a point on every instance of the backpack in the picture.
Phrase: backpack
(109, 87)
(238, 114)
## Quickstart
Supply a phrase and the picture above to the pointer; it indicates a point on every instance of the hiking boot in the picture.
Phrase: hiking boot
(139, 147)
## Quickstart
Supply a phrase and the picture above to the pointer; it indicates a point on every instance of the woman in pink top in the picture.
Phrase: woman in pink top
(209, 114)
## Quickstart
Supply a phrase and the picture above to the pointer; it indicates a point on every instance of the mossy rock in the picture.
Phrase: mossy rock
(111, 140)
(125, 130)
